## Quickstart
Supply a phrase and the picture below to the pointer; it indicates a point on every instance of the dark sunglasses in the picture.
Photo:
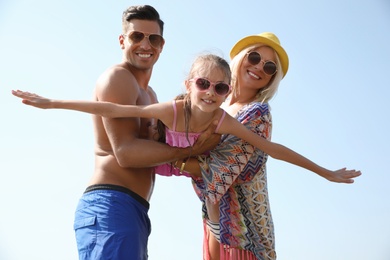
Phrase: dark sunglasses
(269, 67)
(203, 84)
(155, 40)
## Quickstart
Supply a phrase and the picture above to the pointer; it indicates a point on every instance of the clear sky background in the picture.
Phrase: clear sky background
(332, 107)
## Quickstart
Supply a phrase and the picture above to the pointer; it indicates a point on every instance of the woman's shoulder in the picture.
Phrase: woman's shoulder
(255, 114)
(256, 107)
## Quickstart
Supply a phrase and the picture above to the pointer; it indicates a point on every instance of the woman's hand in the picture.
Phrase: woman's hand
(342, 175)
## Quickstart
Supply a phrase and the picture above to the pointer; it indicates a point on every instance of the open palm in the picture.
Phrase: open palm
(32, 99)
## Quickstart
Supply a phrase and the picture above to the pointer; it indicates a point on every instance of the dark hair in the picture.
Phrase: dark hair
(141, 12)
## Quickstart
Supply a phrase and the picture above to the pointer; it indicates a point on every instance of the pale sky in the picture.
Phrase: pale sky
(332, 107)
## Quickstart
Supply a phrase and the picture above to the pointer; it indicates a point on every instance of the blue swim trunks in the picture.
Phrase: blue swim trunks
(112, 222)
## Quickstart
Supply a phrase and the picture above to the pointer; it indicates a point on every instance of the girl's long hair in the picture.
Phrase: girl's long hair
(203, 63)
(187, 114)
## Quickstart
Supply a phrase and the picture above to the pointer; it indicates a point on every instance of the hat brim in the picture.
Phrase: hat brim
(257, 39)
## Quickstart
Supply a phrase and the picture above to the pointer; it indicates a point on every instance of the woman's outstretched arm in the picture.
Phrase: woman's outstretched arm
(280, 152)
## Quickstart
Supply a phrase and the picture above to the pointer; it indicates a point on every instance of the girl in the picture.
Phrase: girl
(207, 87)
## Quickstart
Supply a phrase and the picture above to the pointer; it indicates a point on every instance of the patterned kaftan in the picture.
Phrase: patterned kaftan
(235, 176)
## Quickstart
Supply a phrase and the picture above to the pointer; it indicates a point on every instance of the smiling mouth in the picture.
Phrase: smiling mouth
(208, 101)
(143, 55)
(253, 75)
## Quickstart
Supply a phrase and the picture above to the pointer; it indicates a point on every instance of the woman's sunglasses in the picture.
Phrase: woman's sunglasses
(203, 84)
(269, 67)
(155, 40)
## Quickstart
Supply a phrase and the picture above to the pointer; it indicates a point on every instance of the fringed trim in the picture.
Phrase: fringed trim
(225, 251)
(231, 253)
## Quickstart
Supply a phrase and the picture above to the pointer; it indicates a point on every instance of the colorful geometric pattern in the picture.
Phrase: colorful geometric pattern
(235, 176)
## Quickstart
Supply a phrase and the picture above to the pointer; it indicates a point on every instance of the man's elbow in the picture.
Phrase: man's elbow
(123, 158)
(131, 159)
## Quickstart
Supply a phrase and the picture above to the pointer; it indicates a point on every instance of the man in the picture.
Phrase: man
(111, 220)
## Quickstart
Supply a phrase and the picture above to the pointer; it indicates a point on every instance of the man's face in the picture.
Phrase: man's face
(141, 44)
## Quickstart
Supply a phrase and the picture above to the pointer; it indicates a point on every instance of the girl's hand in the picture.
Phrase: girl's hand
(32, 99)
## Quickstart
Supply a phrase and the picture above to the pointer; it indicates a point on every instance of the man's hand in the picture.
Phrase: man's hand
(153, 132)
(207, 141)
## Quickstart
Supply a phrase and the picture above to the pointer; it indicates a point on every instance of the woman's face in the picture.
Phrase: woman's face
(253, 76)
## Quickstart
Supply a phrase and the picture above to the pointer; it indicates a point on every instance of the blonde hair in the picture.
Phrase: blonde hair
(205, 62)
(209, 62)
(202, 63)
(264, 94)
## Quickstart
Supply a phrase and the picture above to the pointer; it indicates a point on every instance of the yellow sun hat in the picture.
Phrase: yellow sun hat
(266, 38)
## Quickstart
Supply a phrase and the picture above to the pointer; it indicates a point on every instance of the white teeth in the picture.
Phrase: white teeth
(253, 75)
(207, 101)
(144, 55)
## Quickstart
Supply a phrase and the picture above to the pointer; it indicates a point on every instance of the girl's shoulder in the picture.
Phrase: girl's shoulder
(220, 115)
(177, 103)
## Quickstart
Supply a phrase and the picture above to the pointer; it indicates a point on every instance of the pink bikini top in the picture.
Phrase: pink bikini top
(179, 139)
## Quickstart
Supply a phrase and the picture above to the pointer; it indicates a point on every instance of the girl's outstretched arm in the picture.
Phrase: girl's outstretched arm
(280, 152)
(101, 108)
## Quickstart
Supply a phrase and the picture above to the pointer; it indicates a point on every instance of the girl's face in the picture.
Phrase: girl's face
(208, 90)
(256, 76)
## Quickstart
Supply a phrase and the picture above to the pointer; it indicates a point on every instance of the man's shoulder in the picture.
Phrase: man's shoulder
(117, 70)
(117, 80)
(117, 74)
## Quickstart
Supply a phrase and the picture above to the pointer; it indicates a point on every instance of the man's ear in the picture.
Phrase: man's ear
(162, 47)
(122, 41)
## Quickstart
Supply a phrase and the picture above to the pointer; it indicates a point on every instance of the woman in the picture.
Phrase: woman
(247, 227)
(233, 188)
